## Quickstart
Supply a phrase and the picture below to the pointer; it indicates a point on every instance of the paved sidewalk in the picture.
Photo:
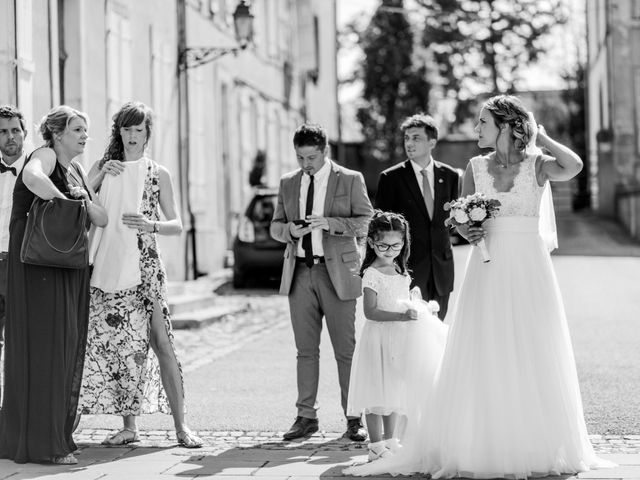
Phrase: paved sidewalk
(587, 233)
(241, 455)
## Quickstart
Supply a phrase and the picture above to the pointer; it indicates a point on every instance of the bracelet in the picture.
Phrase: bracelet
(156, 228)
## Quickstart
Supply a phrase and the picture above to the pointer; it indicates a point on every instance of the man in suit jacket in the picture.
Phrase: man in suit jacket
(321, 264)
(418, 188)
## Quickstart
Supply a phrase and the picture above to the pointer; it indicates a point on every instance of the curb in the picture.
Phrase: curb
(608, 444)
(202, 318)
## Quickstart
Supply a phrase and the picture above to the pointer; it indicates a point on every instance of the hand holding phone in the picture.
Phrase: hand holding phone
(301, 223)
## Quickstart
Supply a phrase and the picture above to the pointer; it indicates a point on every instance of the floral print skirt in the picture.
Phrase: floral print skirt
(121, 372)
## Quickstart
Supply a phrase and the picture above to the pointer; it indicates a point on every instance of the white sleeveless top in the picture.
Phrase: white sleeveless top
(524, 197)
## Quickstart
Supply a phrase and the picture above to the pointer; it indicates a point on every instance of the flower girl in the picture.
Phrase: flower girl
(401, 342)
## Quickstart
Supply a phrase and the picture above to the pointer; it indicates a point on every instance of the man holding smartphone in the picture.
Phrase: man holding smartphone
(322, 209)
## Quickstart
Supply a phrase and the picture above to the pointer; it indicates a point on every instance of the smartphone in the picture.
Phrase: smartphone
(301, 223)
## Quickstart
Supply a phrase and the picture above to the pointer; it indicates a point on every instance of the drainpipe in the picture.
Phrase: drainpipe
(190, 252)
(340, 147)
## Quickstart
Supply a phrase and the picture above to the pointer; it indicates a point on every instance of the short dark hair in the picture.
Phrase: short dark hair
(421, 120)
(310, 135)
(9, 112)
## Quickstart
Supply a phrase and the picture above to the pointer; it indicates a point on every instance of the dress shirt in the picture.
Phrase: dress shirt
(7, 182)
(320, 181)
(417, 169)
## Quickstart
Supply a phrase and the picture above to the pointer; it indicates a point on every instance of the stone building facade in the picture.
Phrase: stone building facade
(613, 79)
(97, 54)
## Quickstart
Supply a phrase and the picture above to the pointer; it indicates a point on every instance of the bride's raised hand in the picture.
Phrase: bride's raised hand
(538, 131)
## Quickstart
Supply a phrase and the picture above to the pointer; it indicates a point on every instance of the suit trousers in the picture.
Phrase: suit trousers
(311, 297)
(3, 306)
(431, 293)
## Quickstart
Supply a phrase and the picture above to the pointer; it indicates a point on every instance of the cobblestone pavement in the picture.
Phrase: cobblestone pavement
(266, 310)
(223, 440)
(249, 455)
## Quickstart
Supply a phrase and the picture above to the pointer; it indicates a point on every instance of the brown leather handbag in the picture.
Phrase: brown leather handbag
(56, 234)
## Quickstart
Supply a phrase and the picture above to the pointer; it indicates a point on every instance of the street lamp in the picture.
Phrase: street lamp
(243, 26)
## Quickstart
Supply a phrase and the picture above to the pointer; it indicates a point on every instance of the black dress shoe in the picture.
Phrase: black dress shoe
(355, 430)
(302, 427)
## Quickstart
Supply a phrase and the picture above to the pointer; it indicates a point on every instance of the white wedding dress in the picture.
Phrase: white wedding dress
(506, 401)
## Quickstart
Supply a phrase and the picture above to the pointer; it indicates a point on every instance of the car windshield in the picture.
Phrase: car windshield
(263, 209)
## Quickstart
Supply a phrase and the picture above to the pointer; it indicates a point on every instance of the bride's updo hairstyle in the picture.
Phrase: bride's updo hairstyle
(57, 121)
(383, 222)
(129, 115)
(508, 109)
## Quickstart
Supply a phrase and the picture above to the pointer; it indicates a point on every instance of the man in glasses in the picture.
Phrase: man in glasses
(12, 135)
(418, 188)
(322, 209)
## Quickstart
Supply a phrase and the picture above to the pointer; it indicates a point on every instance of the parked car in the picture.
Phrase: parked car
(255, 252)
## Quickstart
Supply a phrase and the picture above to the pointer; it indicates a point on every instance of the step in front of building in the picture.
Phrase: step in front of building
(186, 302)
(194, 303)
(206, 316)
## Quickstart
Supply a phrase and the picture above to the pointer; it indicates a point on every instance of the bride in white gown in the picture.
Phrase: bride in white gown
(506, 400)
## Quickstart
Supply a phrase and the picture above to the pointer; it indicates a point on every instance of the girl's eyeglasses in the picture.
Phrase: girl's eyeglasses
(383, 247)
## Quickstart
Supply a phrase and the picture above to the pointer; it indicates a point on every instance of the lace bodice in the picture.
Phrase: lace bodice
(390, 288)
(524, 197)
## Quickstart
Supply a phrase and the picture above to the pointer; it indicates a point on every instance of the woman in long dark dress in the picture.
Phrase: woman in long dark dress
(48, 308)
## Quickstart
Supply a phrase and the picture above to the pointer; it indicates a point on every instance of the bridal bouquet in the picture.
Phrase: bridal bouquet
(472, 210)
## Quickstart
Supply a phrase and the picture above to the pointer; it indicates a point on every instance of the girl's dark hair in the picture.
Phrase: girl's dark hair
(129, 115)
(380, 223)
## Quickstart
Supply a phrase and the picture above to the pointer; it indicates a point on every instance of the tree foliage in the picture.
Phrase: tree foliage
(394, 87)
(481, 46)
(487, 42)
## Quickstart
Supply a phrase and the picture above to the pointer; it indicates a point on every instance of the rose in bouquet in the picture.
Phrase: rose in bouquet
(472, 210)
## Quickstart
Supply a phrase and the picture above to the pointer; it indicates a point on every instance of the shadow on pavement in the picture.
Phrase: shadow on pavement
(275, 459)
(281, 461)
(257, 287)
(586, 233)
(97, 461)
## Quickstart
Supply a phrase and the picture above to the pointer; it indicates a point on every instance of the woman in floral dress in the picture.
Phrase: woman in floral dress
(131, 366)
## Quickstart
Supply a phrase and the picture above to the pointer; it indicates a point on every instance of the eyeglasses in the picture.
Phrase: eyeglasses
(383, 247)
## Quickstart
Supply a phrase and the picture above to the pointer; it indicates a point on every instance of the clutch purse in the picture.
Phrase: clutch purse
(56, 234)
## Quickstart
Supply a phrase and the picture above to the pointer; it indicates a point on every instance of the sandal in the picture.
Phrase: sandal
(122, 437)
(66, 460)
(188, 439)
